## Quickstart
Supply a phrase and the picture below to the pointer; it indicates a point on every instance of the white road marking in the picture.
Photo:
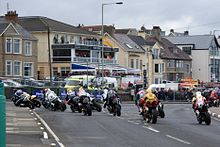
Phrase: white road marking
(18, 132)
(45, 135)
(42, 128)
(53, 144)
(136, 123)
(11, 128)
(121, 118)
(25, 119)
(50, 130)
(177, 139)
(12, 145)
(150, 128)
(130, 121)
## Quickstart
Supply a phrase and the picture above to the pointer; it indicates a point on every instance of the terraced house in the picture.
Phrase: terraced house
(168, 62)
(18, 49)
(66, 48)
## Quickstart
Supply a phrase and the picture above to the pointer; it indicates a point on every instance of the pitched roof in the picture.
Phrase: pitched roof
(3, 26)
(128, 43)
(22, 32)
(141, 41)
(200, 41)
(171, 51)
(38, 23)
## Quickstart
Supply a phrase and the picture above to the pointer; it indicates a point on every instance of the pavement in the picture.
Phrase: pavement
(215, 112)
(24, 129)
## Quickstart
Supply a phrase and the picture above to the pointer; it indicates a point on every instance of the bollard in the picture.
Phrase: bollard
(2, 121)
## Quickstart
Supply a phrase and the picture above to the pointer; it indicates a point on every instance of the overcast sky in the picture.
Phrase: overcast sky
(197, 16)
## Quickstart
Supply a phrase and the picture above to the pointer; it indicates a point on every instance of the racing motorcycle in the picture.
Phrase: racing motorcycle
(94, 104)
(214, 102)
(150, 112)
(85, 105)
(53, 102)
(25, 100)
(113, 103)
(73, 100)
(202, 114)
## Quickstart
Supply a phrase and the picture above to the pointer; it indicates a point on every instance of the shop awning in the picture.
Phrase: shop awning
(78, 67)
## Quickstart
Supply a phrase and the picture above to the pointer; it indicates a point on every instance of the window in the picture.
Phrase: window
(28, 48)
(156, 70)
(179, 63)
(17, 68)
(65, 71)
(187, 68)
(171, 63)
(8, 68)
(55, 71)
(187, 49)
(132, 63)
(156, 53)
(141, 64)
(8, 47)
(16, 46)
(137, 63)
(159, 68)
(129, 46)
(28, 69)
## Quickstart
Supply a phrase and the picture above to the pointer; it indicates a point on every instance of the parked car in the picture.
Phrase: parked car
(11, 83)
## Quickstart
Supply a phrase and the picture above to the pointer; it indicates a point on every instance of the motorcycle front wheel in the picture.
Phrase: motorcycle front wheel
(207, 118)
(154, 116)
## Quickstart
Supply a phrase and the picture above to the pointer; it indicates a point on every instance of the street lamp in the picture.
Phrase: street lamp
(102, 33)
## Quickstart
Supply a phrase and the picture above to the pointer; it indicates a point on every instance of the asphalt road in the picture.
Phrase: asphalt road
(179, 128)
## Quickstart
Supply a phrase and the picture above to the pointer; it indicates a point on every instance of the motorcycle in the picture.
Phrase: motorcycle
(85, 105)
(214, 102)
(114, 106)
(203, 115)
(150, 112)
(25, 100)
(160, 109)
(94, 104)
(73, 101)
(53, 102)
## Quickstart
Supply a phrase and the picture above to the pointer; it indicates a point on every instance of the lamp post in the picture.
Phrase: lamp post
(102, 33)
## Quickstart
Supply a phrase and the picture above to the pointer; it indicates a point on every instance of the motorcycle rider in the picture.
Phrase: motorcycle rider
(198, 101)
(138, 96)
(148, 100)
(214, 94)
(49, 94)
(110, 96)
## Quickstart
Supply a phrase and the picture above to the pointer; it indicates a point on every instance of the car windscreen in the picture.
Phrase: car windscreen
(72, 82)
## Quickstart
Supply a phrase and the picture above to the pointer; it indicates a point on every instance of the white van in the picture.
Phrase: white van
(108, 81)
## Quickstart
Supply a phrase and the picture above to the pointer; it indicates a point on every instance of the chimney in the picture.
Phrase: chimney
(171, 30)
(156, 32)
(186, 33)
(11, 16)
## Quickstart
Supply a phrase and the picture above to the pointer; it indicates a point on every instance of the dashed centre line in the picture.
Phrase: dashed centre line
(177, 139)
(150, 128)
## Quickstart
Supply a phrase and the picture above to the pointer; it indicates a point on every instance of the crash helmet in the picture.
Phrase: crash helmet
(149, 90)
(19, 92)
(198, 94)
(45, 90)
